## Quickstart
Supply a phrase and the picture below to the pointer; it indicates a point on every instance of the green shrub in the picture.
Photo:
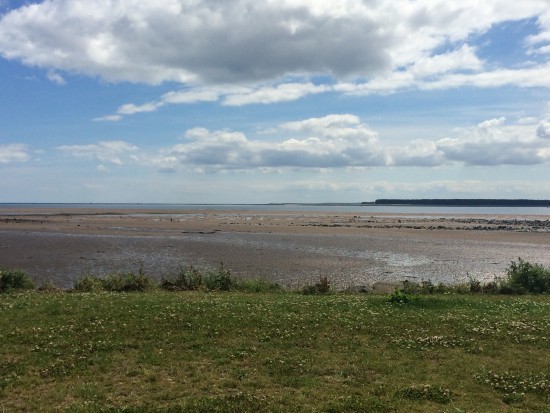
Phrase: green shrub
(88, 284)
(398, 297)
(127, 282)
(524, 277)
(322, 287)
(117, 282)
(14, 280)
(187, 279)
(219, 280)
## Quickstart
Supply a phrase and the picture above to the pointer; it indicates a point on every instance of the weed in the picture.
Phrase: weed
(511, 398)
(88, 284)
(524, 277)
(515, 382)
(219, 280)
(322, 287)
(398, 297)
(427, 392)
(257, 286)
(124, 282)
(14, 280)
(475, 284)
(187, 279)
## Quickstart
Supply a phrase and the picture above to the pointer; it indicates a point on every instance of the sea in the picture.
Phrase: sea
(332, 208)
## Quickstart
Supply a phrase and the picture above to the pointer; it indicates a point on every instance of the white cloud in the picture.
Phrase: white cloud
(343, 141)
(56, 78)
(337, 141)
(13, 152)
(281, 93)
(191, 96)
(130, 108)
(105, 151)
(341, 144)
(108, 118)
(456, 60)
(256, 41)
(494, 143)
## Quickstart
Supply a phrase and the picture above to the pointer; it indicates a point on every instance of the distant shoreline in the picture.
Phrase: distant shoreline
(463, 202)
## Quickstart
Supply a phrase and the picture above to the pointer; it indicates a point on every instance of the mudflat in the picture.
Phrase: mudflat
(291, 248)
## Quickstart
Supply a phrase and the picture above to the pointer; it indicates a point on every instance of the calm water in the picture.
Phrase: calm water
(354, 208)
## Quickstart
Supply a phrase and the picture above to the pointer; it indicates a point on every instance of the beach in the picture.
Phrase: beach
(59, 246)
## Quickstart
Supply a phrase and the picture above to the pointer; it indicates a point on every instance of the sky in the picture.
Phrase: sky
(258, 101)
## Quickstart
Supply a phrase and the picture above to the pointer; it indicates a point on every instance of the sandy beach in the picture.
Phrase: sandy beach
(292, 248)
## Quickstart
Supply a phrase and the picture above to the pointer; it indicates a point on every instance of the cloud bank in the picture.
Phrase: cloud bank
(334, 141)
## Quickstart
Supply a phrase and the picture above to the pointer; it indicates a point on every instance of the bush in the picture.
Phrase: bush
(127, 282)
(14, 280)
(117, 282)
(187, 279)
(88, 284)
(399, 297)
(219, 280)
(524, 277)
(257, 286)
(322, 287)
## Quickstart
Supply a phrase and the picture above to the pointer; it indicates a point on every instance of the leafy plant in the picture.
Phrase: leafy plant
(187, 279)
(128, 281)
(219, 280)
(14, 280)
(88, 284)
(124, 282)
(398, 297)
(524, 277)
(257, 286)
(322, 287)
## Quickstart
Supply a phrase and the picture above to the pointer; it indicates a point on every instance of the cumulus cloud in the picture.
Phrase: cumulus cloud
(243, 52)
(261, 42)
(343, 143)
(13, 152)
(332, 141)
(105, 151)
(186, 41)
(494, 143)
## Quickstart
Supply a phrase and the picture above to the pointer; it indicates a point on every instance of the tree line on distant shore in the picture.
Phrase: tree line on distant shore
(466, 202)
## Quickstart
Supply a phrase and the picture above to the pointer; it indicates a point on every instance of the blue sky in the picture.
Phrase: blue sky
(259, 101)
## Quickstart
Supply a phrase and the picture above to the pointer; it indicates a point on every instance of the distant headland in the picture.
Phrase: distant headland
(464, 202)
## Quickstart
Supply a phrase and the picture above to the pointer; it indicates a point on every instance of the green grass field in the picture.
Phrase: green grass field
(164, 351)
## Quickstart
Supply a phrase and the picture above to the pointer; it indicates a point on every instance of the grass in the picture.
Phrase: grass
(199, 351)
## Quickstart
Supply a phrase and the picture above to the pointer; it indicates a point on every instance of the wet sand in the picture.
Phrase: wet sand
(294, 249)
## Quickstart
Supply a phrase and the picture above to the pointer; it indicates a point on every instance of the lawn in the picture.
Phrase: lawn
(160, 351)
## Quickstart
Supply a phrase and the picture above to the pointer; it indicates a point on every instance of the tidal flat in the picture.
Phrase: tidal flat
(292, 249)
